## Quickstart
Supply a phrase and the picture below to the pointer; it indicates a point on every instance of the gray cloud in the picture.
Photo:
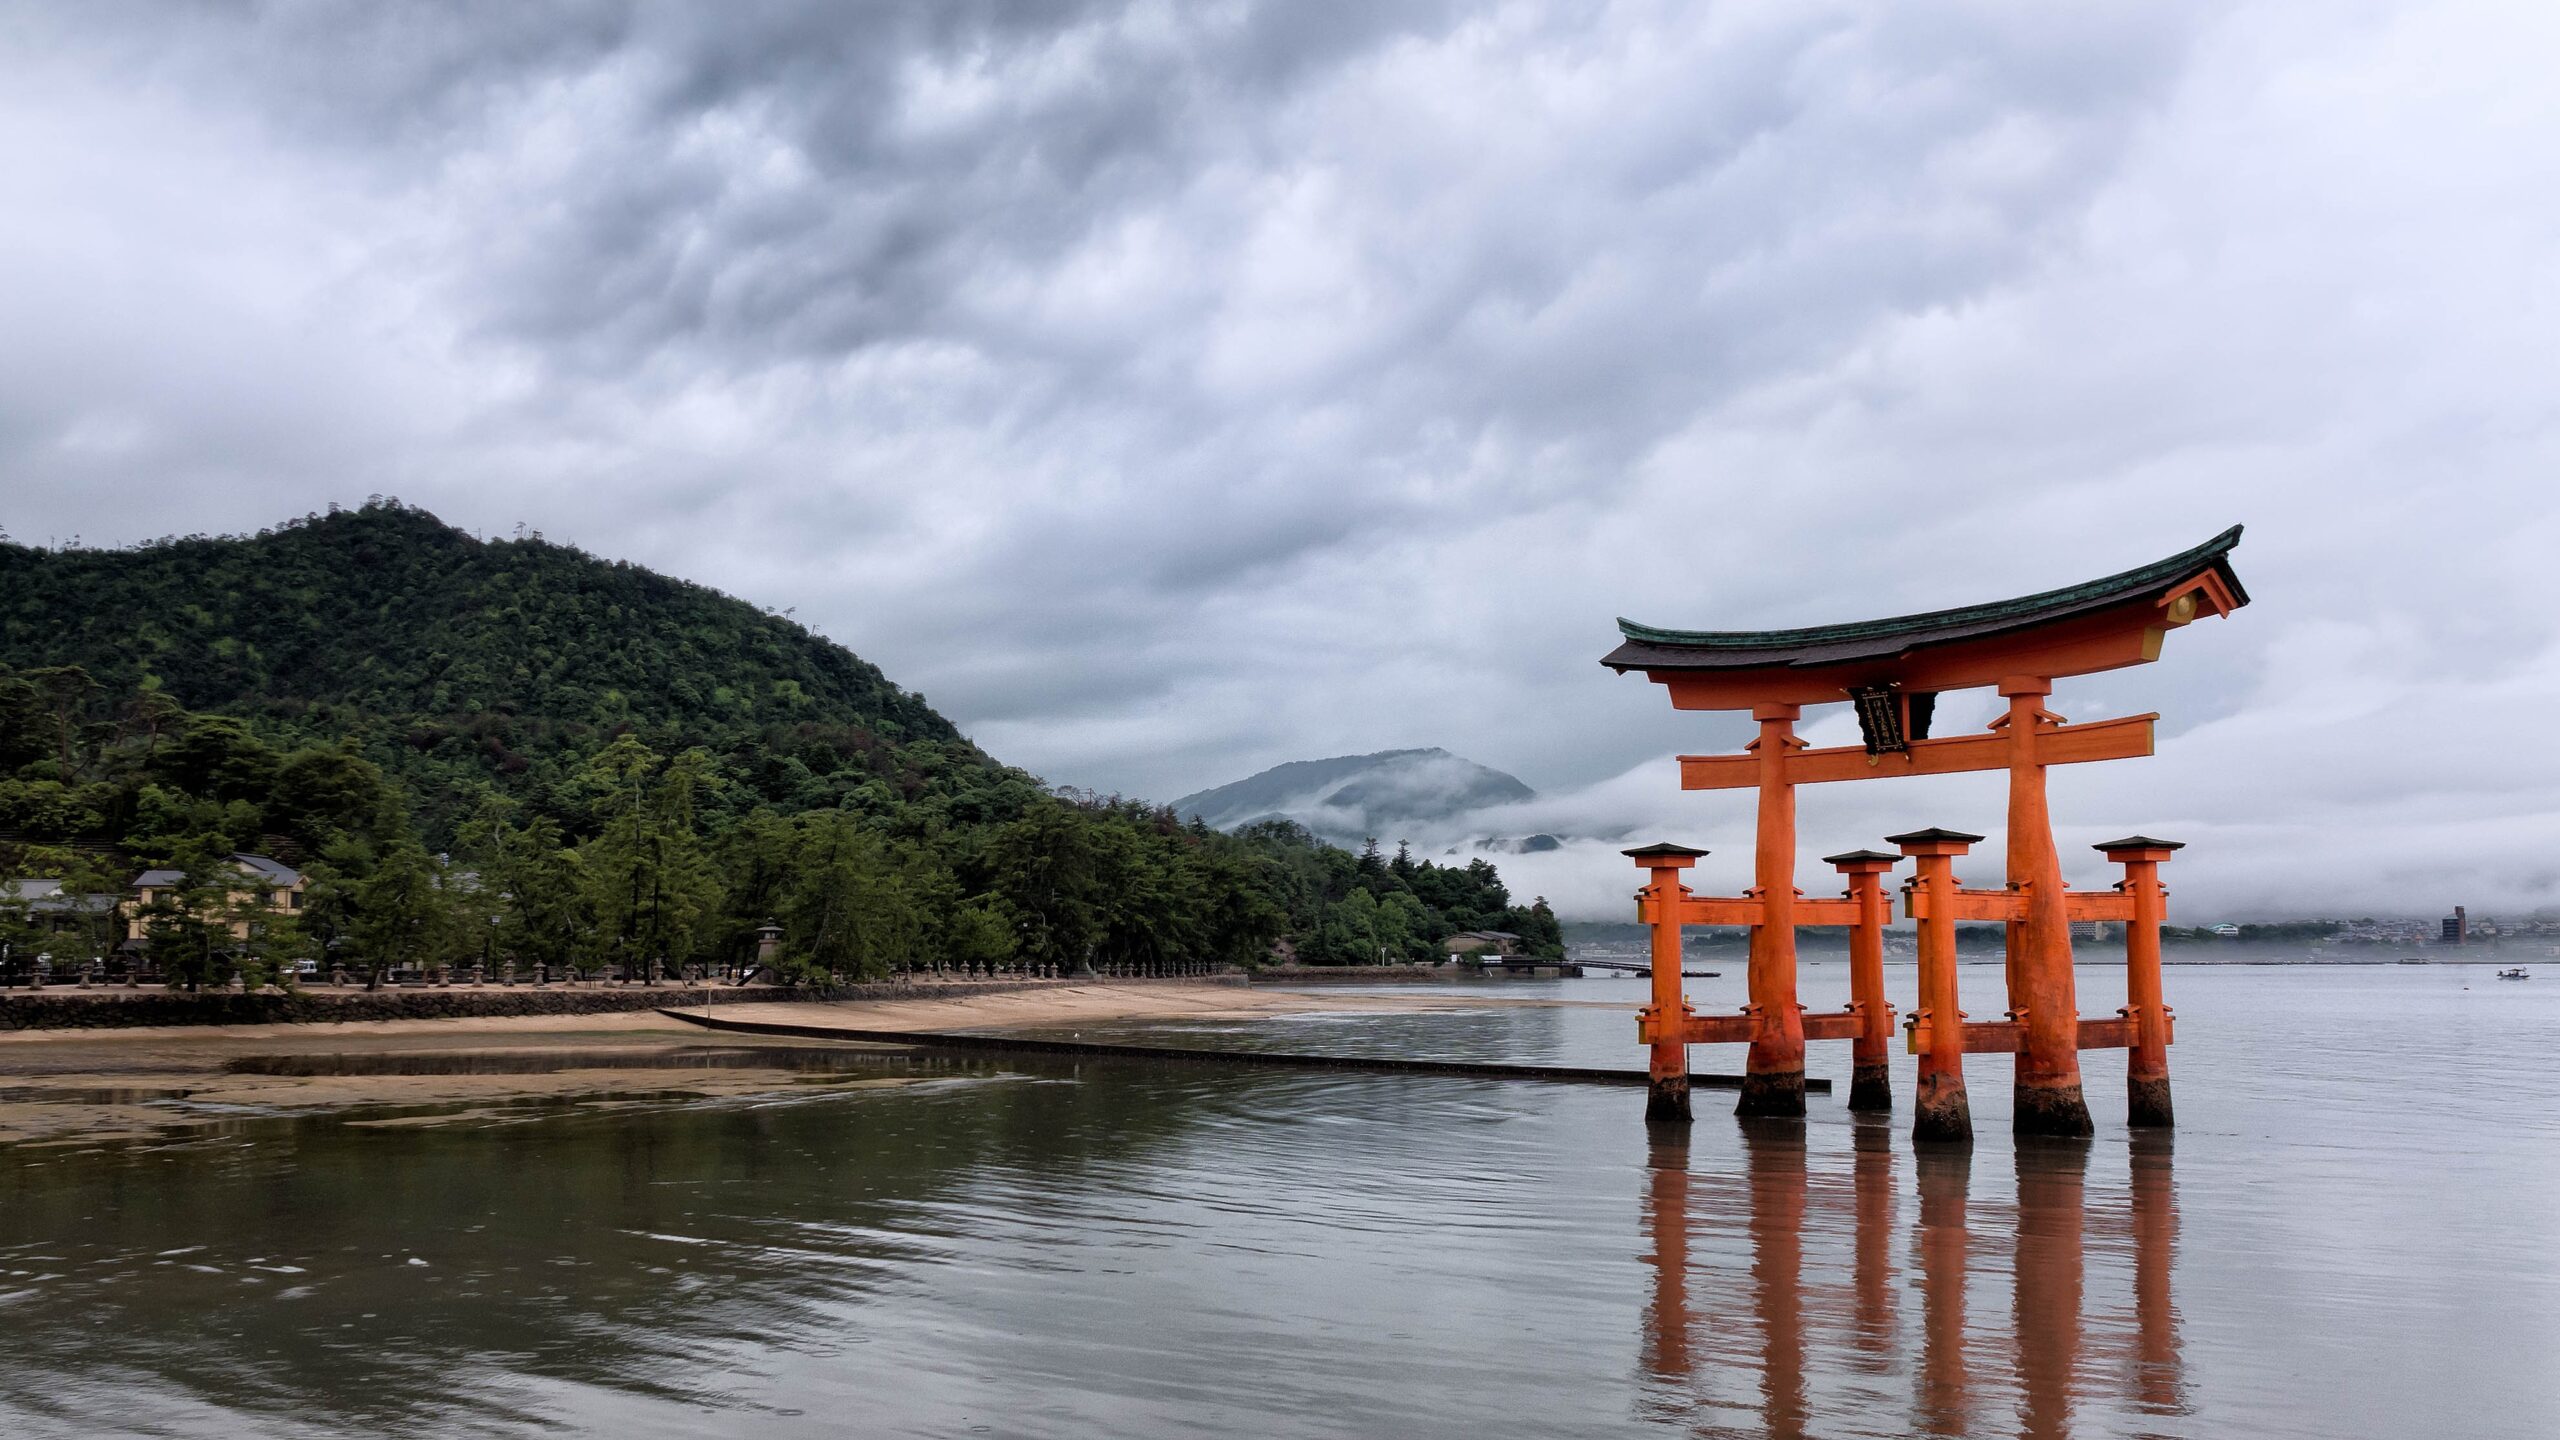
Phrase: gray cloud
(1169, 391)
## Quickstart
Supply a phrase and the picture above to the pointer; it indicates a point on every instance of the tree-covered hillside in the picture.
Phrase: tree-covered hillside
(457, 662)
(512, 752)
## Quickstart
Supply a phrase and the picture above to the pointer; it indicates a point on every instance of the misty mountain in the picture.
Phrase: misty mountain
(1391, 795)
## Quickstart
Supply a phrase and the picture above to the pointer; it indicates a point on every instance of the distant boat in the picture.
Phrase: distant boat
(2414, 960)
(2514, 973)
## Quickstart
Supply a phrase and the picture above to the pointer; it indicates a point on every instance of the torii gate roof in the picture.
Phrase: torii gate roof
(2033, 632)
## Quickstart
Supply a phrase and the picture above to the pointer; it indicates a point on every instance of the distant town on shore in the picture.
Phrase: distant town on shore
(2360, 941)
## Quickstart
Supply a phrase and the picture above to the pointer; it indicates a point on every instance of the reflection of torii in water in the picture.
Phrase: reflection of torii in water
(2044, 1347)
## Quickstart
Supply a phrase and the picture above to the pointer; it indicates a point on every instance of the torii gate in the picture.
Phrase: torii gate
(1893, 671)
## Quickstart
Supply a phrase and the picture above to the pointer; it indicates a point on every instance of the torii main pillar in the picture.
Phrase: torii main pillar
(1773, 1077)
(2042, 996)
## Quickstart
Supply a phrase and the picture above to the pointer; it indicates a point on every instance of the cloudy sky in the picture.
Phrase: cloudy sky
(1167, 391)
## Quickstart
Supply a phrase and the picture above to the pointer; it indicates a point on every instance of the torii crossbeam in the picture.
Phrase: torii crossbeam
(1893, 671)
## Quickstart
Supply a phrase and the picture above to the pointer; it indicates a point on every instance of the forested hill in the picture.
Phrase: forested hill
(455, 661)
(509, 752)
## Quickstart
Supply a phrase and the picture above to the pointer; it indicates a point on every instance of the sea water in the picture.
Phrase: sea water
(2355, 1231)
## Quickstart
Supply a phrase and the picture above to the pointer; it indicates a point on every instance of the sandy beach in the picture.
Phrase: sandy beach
(85, 1086)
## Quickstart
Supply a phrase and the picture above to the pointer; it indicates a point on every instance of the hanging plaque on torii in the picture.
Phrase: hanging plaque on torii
(1893, 672)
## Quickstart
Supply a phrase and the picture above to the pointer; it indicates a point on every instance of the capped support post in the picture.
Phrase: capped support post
(2147, 1063)
(1870, 1077)
(1667, 1017)
(1942, 1113)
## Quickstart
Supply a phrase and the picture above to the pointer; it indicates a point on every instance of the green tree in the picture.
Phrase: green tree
(49, 808)
(402, 916)
(543, 917)
(1141, 918)
(218, 758)
(849, 911)
(189, 920)
(1540, 935)
(63, 691)
(650, 882)
(1403, 928)
(756, 858)
(1244, 902)
(978, 932)
(322, 792)
(1349, 934)
(22, 934)
(81, 922)
(26, 724)
(1047, 875)
(273, 942)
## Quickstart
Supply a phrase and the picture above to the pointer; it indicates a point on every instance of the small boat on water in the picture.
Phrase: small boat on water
(2516, 972)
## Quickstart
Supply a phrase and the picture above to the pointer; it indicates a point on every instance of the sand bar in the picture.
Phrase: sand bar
(79, 1086)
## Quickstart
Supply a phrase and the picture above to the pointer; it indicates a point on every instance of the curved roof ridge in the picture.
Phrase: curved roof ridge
(1998, 614)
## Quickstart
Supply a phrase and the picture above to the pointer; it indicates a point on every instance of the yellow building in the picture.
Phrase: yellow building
(265, 884)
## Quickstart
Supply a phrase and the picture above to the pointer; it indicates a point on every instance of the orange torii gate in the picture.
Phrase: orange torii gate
(1893, 671)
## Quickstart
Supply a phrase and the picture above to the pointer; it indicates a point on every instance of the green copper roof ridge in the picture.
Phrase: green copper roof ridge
(2162, 572)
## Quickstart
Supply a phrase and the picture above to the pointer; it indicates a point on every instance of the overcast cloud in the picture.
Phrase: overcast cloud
(1167, 391)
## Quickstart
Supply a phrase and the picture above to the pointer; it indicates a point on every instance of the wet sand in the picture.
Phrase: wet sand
(85, 1086)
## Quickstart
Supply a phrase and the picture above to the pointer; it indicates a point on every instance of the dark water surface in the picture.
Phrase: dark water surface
(2355, 1233)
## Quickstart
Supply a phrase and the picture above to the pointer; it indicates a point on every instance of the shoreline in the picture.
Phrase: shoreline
(84, 1086)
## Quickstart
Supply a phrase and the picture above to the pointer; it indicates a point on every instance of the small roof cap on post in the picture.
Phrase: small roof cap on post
(1934, 835)
(1847, 858)
(1663, 853)
(2137, 842)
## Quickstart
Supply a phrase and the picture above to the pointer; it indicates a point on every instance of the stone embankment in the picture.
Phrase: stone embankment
(98, 1009)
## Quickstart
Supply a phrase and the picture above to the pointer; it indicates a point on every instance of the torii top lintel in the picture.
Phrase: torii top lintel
(2099, 625)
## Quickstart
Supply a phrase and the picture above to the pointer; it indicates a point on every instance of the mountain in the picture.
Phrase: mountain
(1352, 798)
(457, 662)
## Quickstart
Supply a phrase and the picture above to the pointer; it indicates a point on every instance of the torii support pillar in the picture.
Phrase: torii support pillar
(1666, 1098)
(1943, 1114)
(2147, 1064)
(1870, 1078)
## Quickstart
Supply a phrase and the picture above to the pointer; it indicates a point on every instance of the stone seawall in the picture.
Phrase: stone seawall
(119, 1009)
